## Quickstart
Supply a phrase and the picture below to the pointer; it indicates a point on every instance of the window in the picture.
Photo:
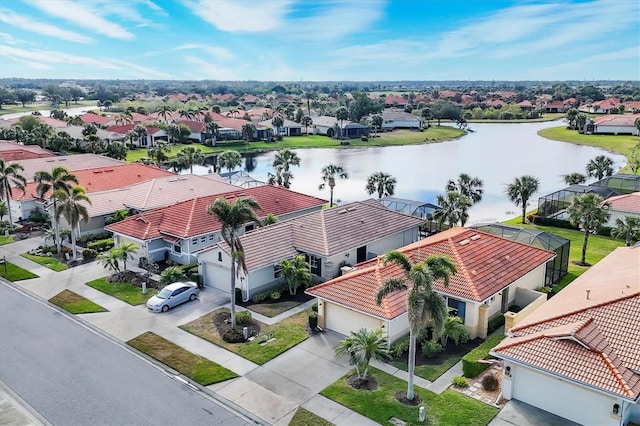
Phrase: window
(203, 239)
(313, 262)
(219, 256)
(212, 237)
(249, 228)
(456, 308)
(277, 271)
(194, 241)
(177, 248)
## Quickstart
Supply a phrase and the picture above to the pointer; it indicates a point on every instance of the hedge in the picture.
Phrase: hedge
(559, 223)
(470, 366)
(495, 323)
(101, 245)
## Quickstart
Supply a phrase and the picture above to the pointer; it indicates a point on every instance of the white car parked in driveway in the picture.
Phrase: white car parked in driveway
(173, 295)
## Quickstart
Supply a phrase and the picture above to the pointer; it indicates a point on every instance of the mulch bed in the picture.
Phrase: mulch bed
(300, 297)
(222, 321)
(450, 350)
(402, 398)
(133, 278)
(369, 383)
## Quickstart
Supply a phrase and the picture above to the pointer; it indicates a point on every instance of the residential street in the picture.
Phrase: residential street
(71, 374)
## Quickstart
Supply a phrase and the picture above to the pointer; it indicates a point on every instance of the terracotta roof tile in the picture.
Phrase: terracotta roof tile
(486, 264)
(626, 203)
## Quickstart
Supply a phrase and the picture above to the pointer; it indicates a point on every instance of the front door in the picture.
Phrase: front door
(505, 300)
(361, 254)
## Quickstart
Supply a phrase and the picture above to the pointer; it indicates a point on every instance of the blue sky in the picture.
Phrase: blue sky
(320, 40)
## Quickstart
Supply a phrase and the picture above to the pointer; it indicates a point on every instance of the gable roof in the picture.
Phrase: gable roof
(95, 119)
(190, 218)
(73, 163)
(324, 232)
(105, 178)
(486, 264)
(589, 332)
(626, 202)
(616, 120)
(193, 125)
(11, 151)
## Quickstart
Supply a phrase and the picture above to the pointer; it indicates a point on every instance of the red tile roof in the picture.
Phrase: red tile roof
(230, 122)
(105, 178)
(486, 264)
(589, 332)
(617, 120)
(626, 202)
(95, 119)
(53, 122)
(190, 218)
(395, 99)
(194, 126)
(11, 151)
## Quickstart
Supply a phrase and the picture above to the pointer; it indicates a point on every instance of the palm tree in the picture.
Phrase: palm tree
(571, 117)
(282, 163)
(467, 186)
(58, 180)
(10, 176)
(3, 210)
(187, 114)
(342, 114)
(307, 122)
(296, 273)
(123, 118)
(110, 260)
(140, 131)
(229, 160)
(159, 153)
(382, 183)
(424, 306)
(454, 208)
(376, 122)
(426, 114)
(574, 178)
(248, 130)
(589, 213)
(164, 110)
(453, 329)
(212, 130)
(71, 207)
(125, 251)
(232, 216)
(521, 190)
(309, 96)
(277, 123)
(627, 229)
(636, 123)
(600, 167)
(329, 175)
(361, 346)
(188, 156)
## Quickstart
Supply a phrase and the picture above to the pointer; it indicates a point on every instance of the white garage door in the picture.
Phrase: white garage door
(344, 321)
(217, 276)
(562, 398)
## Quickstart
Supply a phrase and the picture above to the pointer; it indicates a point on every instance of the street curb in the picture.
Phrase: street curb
(196, 387)
(22, 406)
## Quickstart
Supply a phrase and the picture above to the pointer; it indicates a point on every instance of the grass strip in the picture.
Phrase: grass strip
(195, 367)
(124, 291)
(304, 417)
(75, 304)
(13, 272)
(49, 262)
(447, 408)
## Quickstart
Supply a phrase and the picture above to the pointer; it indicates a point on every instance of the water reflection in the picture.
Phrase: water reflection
(496, 153)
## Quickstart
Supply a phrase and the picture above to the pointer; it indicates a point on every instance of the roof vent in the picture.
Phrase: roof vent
(475, 237)
(343, 211)
(474, 272)
(350, 209)
(507, 257)
(588, 291)
(464, 242)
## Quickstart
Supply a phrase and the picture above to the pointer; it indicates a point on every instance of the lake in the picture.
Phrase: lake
(496, 153)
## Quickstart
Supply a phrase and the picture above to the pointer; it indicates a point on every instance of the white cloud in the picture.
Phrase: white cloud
(585, 67)
(53, 57)
(140, 71)
(205, 70)
(8, 38)
(80, 14)
(38, 27)
(241, 15)
(219, 53)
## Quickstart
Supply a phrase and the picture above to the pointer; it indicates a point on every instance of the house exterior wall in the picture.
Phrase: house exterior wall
(561, 397)
(397, 328)
(401, 125)
(344, 320)
(617, 214)
(260, 280)
(616, 130)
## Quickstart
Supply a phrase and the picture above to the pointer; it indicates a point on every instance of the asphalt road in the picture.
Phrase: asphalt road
(72, 375)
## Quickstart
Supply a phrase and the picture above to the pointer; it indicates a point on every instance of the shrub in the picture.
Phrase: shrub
(171, 275)
(314, 307)
(364, 139)
(233, 336)
(101, 245)
(243, 318)
(313, 320)
(459, 382)
(423, 336)
(238, 295)
(94, 237)
(495, 323)
(400, 347)
(275, 295)
(89, 254)
(470, 366)
(431, 348)
(489, 382)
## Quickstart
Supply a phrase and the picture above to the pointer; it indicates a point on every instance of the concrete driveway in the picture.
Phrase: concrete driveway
(517, 413)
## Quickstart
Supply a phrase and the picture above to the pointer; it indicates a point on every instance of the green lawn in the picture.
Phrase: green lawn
(399, 137)
(6, 240)
(124, 291)
(15, 273)
(621, 144)
(10, 109)
(448, 408)
(195, 367)
(75, 304)
(598, 247)
(288, 333)
(430, 372)
(47, 261)
(305, 417)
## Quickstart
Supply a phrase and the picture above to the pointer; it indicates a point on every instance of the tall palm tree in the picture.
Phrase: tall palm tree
(361, 346)
(467, 186)
(521, 190)
(589, 213)
(376, 122)
(125, 251)
(123, 118)
(159, 153)
(212, 130)
(382, 183)
(296, 273)
(232, 216)
(189, 155)
(342, 114)
(329, 175)
(248, 131)
(58, 180)
(309, 96)
(140, 131)
(10, 177)
(424, 306)
(627, 229)
(600, 167)
(454, 208)
(277, 123)
(164, 110)
(282, 162)
(307, 122)
(72, 208)
(229, 160)
(574, 178)
(187, 114)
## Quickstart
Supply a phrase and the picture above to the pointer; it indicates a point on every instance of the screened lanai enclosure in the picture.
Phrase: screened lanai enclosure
(557, 268)
(620, 183)
(417, 209)
(555, 205)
